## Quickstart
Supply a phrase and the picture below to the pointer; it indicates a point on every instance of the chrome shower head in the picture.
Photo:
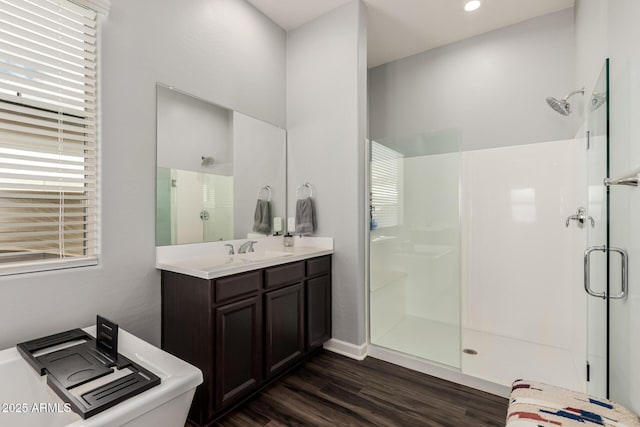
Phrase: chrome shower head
(206, 161)
(562, 106)
(559, 105)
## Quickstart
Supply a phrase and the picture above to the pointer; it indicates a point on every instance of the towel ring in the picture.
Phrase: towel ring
(266, 187)
(300, 187)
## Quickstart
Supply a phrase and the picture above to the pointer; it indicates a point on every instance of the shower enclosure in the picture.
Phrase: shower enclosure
(460, 270)
(476, 257)
(414, 292)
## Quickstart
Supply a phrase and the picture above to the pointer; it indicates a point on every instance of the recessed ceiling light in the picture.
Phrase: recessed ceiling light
(472, 5)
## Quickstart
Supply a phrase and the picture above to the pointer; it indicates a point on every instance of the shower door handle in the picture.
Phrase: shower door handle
(624, 258)
(587, 271)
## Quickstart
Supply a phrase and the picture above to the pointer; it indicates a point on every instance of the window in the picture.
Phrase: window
(48, 135)
(386, 182)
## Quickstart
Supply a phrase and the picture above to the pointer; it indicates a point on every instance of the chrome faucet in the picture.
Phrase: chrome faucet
(581, 217)
(231, 252)
(246, 247)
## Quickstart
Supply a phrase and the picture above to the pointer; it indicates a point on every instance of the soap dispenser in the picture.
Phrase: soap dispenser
(277, 226)
(288, 240)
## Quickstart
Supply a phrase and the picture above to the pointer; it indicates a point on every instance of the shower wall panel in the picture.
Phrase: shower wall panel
(523, 307)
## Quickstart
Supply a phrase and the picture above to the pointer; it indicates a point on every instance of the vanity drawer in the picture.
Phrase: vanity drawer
(284, 274)
(230, 287)
(317, 266)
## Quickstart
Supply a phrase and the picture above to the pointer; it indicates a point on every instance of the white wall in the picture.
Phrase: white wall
(492, 86)
(325, 124)
(221, 50)
(611, 29)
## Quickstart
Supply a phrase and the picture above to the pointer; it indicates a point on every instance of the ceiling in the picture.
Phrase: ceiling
(400, 28)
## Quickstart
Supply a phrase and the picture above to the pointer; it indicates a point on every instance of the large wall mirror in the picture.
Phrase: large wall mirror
(221, 175)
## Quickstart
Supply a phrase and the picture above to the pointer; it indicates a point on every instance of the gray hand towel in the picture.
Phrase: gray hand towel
(262, 218)
(305, 217)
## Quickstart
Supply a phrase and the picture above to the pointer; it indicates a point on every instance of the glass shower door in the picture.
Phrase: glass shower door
(597, 257)
(414, 268)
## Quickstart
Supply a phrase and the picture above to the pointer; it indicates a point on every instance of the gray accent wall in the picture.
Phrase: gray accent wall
(326, 123)
(259, 159)
(223, 51)
(189, 129)
(492, 87)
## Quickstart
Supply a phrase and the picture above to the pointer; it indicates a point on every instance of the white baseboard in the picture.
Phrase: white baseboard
(357, 352)
(442, 372)
(360, 352)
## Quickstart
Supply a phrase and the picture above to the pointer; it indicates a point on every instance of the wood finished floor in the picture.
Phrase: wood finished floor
(332, 390)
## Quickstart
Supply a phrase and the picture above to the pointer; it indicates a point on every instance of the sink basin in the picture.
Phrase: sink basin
(218, 262)
(215, 262)
(262, 256)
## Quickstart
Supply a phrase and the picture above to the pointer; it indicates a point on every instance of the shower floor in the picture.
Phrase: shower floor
(499, 359)
(503, 359)
(435, 341)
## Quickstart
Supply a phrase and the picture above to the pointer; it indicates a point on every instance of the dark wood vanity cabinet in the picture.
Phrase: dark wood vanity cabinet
(246, 330)
(318, 294)
(318, 304)
(238, 350)
(284, 327)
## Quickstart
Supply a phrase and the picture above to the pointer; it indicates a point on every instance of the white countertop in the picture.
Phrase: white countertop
(211, 260)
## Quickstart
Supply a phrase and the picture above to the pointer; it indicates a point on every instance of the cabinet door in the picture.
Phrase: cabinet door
(318, 311)
(238, 349)
(284, 327)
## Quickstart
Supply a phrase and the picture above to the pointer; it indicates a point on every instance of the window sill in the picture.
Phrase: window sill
(41, 266)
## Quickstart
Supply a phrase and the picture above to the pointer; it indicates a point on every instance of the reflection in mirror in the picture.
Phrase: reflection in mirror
(213, 169)
(185, 195)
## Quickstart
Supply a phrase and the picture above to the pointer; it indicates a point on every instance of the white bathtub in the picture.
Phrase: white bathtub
(23, 393)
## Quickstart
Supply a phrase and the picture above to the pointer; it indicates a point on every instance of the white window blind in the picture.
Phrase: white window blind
(48, 96)
(386, 182)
